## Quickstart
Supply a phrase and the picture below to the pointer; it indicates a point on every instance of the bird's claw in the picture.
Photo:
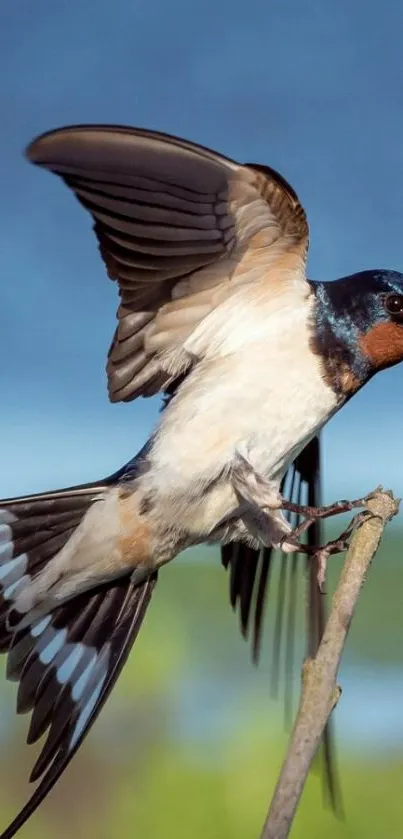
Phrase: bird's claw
(337, 546)
(321, 553)
(322, 557)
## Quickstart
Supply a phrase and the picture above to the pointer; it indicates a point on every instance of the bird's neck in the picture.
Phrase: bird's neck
(335, 337)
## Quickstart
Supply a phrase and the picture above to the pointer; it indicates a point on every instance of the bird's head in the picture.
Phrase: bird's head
(358, 327)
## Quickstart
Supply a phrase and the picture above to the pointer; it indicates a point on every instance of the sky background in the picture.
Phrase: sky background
(314, 89)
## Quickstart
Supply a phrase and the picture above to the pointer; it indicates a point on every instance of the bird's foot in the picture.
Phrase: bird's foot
(321, 553)
(266, 505)
(311, 514)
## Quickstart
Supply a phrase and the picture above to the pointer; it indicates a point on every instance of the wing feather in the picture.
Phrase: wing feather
(173, 219)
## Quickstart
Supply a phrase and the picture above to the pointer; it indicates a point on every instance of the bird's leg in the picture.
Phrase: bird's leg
(253, 487)
(265, 499)
(313, 513)
(321, 553)
(259, 504)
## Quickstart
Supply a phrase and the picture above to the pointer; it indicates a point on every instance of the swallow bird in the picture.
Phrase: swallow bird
(217, 314)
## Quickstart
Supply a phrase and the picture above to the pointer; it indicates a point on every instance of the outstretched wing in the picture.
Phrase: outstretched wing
(181, 229)
(250, 572)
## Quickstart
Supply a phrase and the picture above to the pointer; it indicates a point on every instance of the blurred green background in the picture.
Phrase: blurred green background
(191, 741)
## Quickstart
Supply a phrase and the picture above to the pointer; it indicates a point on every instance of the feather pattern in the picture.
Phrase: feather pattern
(67, 660)
(67, 664)
(32, 531)
(180, 228)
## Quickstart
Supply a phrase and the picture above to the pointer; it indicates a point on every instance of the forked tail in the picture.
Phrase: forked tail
(67, 661)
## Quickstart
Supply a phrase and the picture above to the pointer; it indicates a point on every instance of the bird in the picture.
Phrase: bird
(252, 359)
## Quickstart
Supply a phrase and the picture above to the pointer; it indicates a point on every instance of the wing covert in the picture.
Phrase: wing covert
(180, 228)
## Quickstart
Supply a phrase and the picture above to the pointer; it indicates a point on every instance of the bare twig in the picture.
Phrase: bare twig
(319, 692)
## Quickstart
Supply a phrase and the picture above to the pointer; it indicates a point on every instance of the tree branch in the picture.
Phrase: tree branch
(320, 693)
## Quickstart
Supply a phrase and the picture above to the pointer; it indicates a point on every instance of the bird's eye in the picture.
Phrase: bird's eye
(394, 305)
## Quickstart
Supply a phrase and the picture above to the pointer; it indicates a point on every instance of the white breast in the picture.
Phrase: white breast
(268, 397)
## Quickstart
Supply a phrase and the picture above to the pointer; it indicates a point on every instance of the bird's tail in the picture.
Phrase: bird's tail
(67, 659)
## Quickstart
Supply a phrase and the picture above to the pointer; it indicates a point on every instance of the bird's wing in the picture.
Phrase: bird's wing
(250, 573)
(181, 229)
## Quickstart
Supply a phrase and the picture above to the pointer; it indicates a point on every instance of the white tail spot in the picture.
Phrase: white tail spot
(5, 533)
(12, 570)
(39, 627)
(78, 688)
(6, 517)
(56, 641)
(65, 671)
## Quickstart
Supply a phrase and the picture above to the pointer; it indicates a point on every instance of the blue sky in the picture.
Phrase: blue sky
(312, 89)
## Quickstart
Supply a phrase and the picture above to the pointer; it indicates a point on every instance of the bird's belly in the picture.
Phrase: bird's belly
(268, 411)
